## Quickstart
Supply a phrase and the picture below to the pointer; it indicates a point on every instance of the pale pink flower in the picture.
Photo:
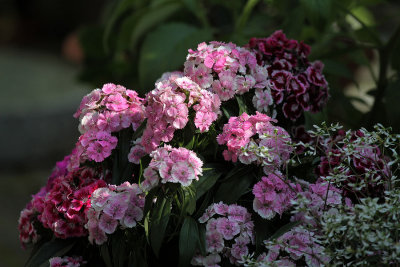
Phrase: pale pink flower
(227, 228)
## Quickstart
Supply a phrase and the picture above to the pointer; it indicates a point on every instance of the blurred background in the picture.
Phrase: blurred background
(53, 53)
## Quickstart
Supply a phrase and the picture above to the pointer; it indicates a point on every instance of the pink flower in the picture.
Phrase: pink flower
(225, 225)
(227, 228)
(272, 196)
(136, 153)
(214, 242)
(181, 172)
(116, 207)
(116, 103)
(174, 165)
(133, 214)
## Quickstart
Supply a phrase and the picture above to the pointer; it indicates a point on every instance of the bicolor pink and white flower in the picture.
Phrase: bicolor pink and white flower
(168, 105)
(224, 69)
(229, 232)
(174, 165)
(113, 207)
(254, 139)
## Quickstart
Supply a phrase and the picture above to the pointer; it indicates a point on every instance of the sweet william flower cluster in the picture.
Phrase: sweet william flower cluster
(111, 207)
(203, 170)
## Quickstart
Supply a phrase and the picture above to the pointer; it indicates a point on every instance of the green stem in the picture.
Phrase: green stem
(384, 59)
(368, 29)
(241, 22)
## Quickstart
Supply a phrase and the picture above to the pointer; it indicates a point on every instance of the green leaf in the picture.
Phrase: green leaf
(189, 199)
(227, 112)
(188, 239)
(159, 221)
(171, 40)
(318, 11)
(105, 255)
(237, 184)
(206, 181)
(120, 8)
(118, 248)
(242, 105)
(151, 17)
(191, 143)
(201, 245)
(284, 229)
(53, 248)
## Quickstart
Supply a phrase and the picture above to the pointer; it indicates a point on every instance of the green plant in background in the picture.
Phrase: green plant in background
(346, 35)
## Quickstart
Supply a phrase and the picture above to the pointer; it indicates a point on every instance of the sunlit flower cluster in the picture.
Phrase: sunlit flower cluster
(172, 165)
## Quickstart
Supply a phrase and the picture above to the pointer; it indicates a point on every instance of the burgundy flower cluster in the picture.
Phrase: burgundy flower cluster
(62, 204)
(295, 84)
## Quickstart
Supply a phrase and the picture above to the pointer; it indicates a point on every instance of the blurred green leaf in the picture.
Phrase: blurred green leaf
(119, 9)
(318, 11)
(197, 9)
(151, 17)
(159, 222)
(89, 39)
(337, 68)
(165, 49)
(188, 239)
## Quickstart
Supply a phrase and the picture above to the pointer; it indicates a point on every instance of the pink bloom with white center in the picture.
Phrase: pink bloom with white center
(181, 172)
(108, 121)
(107, 223)
(174, 165)
(228, 228)
(224, 69)
(214, 242)
(105, 111)
(262, 100)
